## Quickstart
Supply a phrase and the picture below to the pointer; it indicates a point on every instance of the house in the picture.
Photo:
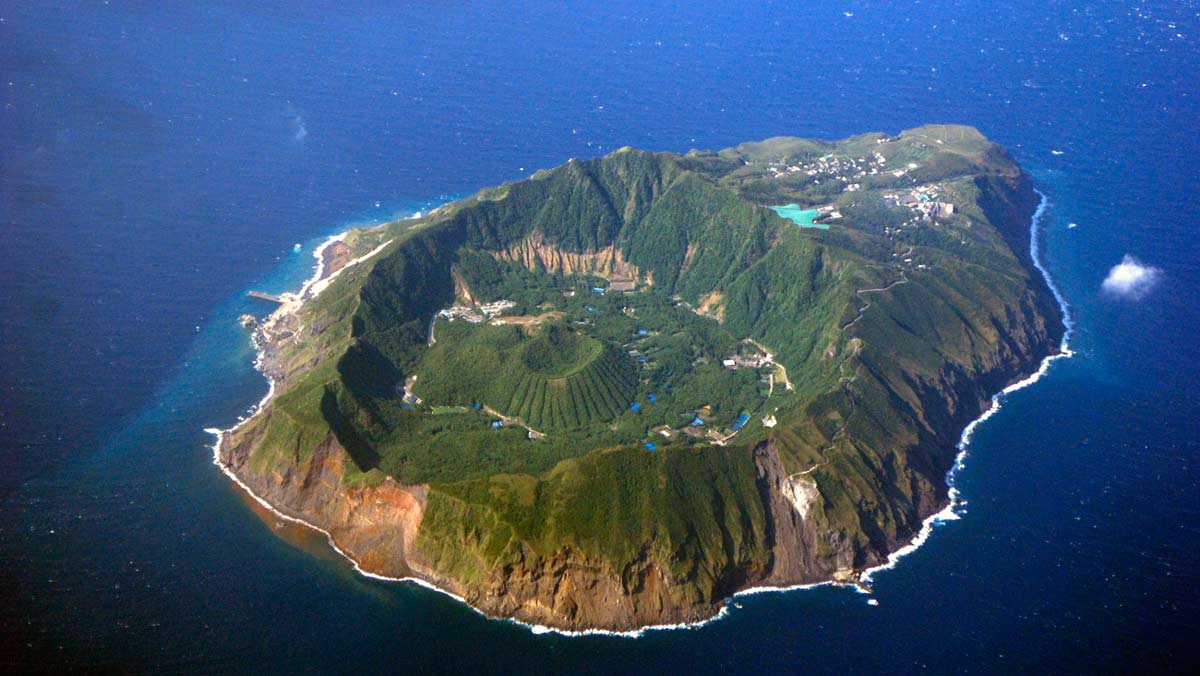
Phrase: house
(741, 422)
(665, 431)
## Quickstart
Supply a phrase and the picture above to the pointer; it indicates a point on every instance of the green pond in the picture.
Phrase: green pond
(801, 217)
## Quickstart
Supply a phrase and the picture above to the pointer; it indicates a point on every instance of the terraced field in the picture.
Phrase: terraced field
(554, 378)
(598, 391)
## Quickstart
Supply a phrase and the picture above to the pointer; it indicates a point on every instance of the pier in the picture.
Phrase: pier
(264, 296)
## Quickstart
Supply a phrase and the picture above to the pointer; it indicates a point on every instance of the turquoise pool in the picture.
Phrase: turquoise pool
(801, 217)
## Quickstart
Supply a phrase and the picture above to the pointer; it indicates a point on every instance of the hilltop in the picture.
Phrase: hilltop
(616, 392)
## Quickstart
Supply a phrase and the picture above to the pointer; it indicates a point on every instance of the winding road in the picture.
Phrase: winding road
(867, 304)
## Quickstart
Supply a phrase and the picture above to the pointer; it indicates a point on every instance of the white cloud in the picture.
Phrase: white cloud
(1131, 278)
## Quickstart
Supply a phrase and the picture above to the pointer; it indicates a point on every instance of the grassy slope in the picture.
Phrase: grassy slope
(550, 383)
(695, 510)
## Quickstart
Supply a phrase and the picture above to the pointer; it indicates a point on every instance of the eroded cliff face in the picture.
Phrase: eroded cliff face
(535, 253)
(377, 527)
(572, 591)
(374, 525)
(792, 527)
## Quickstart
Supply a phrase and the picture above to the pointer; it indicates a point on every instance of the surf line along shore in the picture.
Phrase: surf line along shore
(949, 512)
(324, 274)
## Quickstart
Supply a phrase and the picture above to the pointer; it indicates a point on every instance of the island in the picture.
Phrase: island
(618, 392)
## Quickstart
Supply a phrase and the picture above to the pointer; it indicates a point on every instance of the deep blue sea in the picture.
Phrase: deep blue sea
(157, 161)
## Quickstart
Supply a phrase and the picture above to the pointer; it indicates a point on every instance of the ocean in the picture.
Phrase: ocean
(158, 161)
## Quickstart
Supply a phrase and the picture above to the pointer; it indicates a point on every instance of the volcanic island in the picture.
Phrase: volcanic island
(616, 393)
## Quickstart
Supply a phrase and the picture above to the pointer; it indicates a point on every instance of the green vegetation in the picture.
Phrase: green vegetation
(558, 378)
(696, 509)
(884, 333)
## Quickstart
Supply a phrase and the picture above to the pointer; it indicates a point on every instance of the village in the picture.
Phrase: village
(923, 201)
(475, 313)
(837, 167)
(749, 355)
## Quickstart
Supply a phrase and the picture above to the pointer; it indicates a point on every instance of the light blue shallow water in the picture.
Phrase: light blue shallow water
(146, 183)
(801, 217)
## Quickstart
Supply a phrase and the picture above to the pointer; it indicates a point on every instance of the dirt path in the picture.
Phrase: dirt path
(524, 320)
(810, 470)
(513, 421)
